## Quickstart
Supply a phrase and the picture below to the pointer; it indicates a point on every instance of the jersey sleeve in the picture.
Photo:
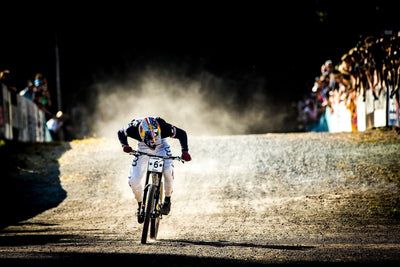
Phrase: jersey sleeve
(123, 138)
(182, 136)
(131, 130)
(168, 130)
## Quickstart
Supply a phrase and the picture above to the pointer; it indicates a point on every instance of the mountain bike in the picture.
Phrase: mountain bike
(153, 193)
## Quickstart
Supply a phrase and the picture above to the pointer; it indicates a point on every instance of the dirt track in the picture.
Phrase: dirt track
(251, 199)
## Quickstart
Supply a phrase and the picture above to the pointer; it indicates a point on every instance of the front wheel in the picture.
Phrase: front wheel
(155, 222)
(147, 212)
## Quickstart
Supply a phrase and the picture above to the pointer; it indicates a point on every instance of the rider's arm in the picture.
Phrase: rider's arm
(123, 138)
(182, 137)
(168, 130)
(131, 130)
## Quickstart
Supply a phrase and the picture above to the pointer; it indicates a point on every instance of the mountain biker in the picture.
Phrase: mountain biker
(151, 134)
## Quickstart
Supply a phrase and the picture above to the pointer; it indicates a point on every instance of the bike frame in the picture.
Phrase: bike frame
(153, 192)
(156, 175)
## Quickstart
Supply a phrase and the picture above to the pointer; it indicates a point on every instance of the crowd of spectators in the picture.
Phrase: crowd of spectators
(62, 126)
(39, 93)
(373, 64)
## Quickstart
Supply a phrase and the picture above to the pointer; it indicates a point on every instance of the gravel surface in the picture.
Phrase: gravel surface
(242, 200)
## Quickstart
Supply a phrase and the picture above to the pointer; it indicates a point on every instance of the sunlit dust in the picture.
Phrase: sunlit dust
(203, 105)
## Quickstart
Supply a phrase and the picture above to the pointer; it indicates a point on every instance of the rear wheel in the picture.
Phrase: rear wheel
(147, 212)
(154, 228)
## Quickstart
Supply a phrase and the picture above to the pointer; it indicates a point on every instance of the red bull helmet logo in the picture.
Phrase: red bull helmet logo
(150, 132)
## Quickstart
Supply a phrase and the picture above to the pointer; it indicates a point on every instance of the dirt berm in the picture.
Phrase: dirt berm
(299, 198)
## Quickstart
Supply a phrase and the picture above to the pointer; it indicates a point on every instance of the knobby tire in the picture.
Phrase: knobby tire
(155, 222)
(147, 213)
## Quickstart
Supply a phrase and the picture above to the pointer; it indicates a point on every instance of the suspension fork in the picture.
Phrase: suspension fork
(157, 181)
(146, 187)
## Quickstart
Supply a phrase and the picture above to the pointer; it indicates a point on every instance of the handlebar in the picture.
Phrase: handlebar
(140, 153)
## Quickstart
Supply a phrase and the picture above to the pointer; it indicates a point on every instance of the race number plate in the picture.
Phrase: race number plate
(155, 164)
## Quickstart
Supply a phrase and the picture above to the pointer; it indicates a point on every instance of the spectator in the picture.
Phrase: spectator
(7, 81)
(311, 115)
(324, 82)
(5, 78)
(37, 99)
(327, 67)
(28, 91)
(42, 90)
(321, 103)
(351, 105)
(55, 126)
(370, 64)
(302, 118)
(346, 69)
(343, 86)
(358, 71)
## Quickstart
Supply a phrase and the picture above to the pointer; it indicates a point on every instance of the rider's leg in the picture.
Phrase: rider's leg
(165, 150)
(168, 186)
(168, 180)
(136, 172)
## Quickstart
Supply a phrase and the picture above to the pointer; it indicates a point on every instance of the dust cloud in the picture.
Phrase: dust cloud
(202, 104)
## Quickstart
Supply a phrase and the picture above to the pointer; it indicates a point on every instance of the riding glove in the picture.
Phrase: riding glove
(127, 149)
(186, 156)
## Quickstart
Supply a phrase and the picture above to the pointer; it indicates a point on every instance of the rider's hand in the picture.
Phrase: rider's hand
(127, 149)
(186, 156)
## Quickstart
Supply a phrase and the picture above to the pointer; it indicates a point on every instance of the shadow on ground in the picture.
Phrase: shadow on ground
(30, 182)
(240, 244)
(137, 259)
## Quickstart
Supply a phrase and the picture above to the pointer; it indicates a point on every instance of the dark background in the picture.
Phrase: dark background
(284, 43)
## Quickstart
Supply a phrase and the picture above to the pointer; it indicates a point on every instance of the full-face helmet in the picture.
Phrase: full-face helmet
(150, 132)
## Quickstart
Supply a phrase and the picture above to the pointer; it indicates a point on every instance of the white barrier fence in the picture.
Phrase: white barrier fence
(371, 113)
(21, 119)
